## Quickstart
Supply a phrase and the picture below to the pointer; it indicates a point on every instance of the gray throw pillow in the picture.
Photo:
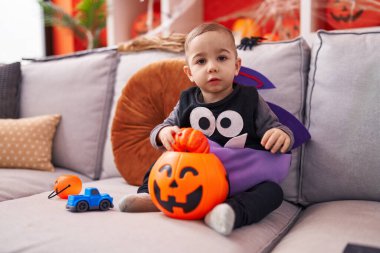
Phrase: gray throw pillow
(10, 78)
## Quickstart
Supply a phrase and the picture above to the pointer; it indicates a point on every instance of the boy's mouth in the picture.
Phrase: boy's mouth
(214, 79)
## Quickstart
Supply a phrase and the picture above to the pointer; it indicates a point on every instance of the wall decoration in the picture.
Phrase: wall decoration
(342, 14)
(271, 16)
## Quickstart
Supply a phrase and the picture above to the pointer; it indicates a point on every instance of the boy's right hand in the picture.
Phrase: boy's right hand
(166, 136)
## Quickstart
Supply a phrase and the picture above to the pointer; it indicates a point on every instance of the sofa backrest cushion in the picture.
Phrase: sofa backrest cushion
(79, 88)
(286, 65)
(129, 64)
(342, 110)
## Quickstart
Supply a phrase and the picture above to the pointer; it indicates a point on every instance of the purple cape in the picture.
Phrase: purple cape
(248, 167)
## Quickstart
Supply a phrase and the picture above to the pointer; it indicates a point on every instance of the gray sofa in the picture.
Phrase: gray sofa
(332, 192)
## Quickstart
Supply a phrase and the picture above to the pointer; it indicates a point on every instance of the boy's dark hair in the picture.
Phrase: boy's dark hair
(208, 27)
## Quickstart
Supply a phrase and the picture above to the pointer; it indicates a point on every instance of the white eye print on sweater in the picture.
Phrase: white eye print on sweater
(229, 123)
(203, 120)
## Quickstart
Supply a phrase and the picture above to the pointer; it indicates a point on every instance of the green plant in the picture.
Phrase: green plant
(87, 23)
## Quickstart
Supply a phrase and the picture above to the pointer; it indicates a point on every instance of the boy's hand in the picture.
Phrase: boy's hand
(275, 139)
(166, 136)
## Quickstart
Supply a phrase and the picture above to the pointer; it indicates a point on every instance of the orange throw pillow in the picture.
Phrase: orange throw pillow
(146, 100)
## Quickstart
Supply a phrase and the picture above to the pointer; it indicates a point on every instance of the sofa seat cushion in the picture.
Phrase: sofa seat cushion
(37, 224)
(330, 226)
(18, 183)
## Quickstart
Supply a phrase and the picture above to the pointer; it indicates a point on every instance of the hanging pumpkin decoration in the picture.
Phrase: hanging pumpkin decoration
(191, 140)
(66, 185)
(271, 37)
(246, 27)
(187, 185)
(140, 26)
(343, 14)
(290, 28)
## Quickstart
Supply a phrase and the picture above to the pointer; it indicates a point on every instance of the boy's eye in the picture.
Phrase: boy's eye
(222, 58)
(201, 61)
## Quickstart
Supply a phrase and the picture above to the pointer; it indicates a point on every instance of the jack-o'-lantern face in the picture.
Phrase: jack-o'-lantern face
(187, 185)
(187, 200)
(352, 14)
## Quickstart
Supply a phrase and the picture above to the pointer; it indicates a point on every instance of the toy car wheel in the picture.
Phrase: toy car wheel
(82, 206)
(104, 205)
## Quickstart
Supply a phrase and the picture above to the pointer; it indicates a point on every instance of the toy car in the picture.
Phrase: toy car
(91, 200)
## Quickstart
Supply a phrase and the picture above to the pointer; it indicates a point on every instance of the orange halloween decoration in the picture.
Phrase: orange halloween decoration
(343, 14)
(246, 27)
(187, 185)
(191, 140)
(290, 28)
(140, 26)
(66, 185)
(271, 37)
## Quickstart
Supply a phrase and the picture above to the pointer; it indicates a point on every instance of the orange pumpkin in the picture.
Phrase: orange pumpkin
(343, 14)
(191, 140)
(271, 37)
(187, 185)
(66, 185)
(246, 27)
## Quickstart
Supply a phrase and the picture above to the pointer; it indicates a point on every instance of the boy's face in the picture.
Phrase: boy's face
(212, 64)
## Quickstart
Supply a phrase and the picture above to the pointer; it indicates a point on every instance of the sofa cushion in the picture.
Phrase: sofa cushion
(286, 65)
(79, 88)
(341, 161)
(42, 225)
(331, 226)
(10, 79)
(145, 102)
(19, 183)
(129, 64)
(27, 142)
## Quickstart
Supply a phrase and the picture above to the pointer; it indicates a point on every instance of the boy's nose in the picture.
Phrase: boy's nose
(212, 67)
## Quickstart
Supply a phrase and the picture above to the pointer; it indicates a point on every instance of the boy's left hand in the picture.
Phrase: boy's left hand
(275, 139)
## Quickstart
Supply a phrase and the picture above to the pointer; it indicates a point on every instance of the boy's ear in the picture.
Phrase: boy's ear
(237, 66)
(187, 71)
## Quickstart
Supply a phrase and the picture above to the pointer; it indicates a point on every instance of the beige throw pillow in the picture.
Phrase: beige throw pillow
(27, 143)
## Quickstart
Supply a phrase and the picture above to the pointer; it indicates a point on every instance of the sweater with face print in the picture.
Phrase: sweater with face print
(229, 122)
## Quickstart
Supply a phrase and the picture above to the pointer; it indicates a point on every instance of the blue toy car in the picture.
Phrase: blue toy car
(91, 200)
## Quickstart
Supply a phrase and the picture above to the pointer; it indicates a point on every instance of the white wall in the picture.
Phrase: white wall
(121, 14)
(21, 30)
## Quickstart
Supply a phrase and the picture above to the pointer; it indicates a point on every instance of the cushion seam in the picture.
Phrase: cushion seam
(270, 245)
(308, 117)
(105, 114)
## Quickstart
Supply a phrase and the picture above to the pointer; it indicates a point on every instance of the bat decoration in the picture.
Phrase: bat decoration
(250, 77)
